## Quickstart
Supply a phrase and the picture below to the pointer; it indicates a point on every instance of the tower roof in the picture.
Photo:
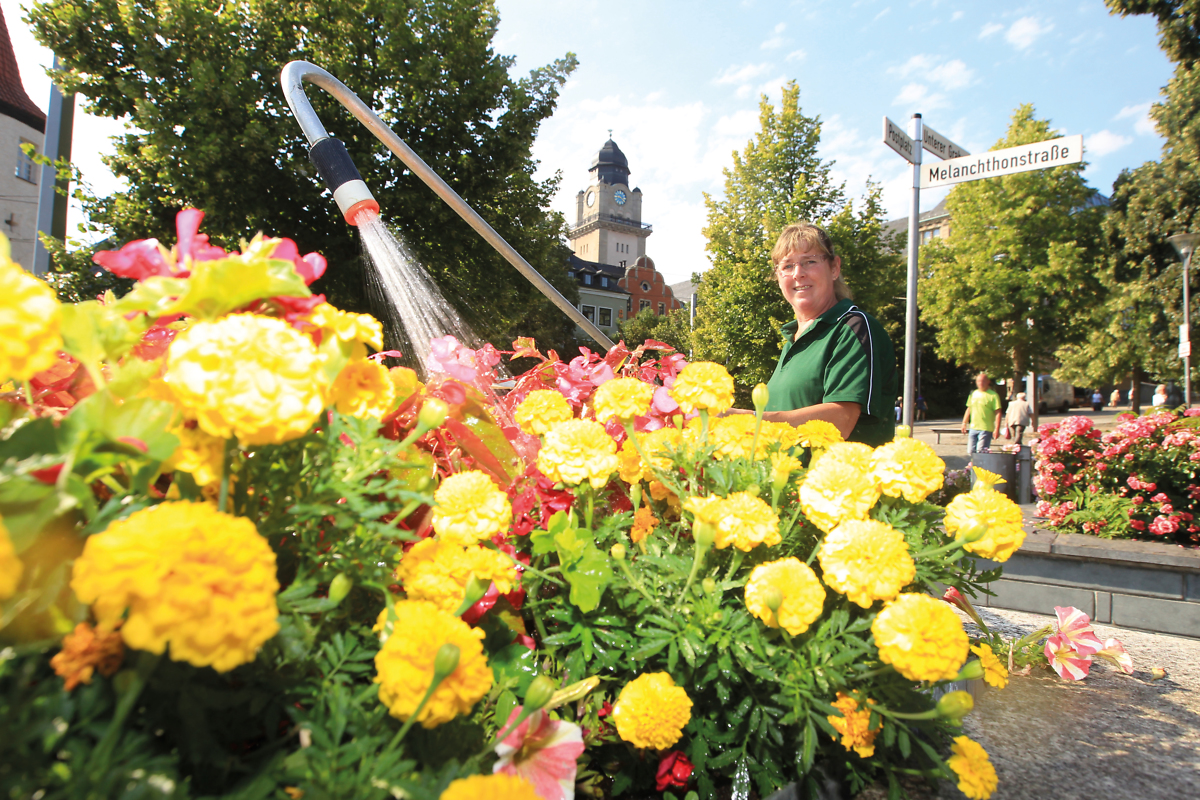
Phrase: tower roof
(610, 164)
(13, 100)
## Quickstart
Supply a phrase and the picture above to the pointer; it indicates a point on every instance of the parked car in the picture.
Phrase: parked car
(1055, 395)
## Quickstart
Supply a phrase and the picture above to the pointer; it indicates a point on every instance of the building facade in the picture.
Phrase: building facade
(21, 123)
(601, 298)
(647, 289)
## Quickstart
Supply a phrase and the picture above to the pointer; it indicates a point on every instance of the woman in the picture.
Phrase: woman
(837, 362)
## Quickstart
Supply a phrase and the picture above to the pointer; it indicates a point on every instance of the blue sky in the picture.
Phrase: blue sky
(679, 85)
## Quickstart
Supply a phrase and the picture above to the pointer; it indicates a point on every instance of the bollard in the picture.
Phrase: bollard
(1025, 475)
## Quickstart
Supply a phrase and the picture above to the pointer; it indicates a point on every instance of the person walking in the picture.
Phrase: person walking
(1097, 400)
(981, 422)
(1018, 416)
(921, 408)
(1114, 399)
(1160, 396)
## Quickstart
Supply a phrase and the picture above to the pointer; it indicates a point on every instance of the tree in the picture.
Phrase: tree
(776, 180)
(673, 328)
(198, 80)
(1017, 273)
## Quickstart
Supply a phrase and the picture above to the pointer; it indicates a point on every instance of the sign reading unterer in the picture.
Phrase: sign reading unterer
(994, 163)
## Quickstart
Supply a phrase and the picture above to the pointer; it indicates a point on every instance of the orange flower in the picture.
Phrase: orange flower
(644, 523)
(85, 651)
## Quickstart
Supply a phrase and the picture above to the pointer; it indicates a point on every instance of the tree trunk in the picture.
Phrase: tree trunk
(1135, 390)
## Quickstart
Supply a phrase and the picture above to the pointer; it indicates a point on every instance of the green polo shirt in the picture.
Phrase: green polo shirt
(845, 356)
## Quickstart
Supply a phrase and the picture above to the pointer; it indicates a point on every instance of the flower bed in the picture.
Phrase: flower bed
(1136, 481)
(240, 557)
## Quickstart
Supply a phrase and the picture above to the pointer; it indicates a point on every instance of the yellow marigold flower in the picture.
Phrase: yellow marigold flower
(85, 652)
(818, 434)
(660, 492)
(1005, 524)
(578, 450)
(745, 522)
(734, 435)
(908, 468)
(856, 454)
(199, 454)
(659, 445)
(703, 385)
(866, 560)
(30, 320)
(10, 566)
(363, 389)
(247, 376)
(348, 326)
(629, 463)
(644, 523)
(782, 467)
(405, 665)
(497, 786)
(854, 725)
(985, 479)
(438, 571)
(794, 581)
(470, 508)
(189, 576)
(976, 775)
(623, 398)
(704, 509)
(405, 383)
(835, 490)
(994, 672)
(921, 638)
(651, 711)
(541, 410)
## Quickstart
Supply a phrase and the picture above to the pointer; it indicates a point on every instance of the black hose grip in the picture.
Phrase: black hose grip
(330, 158)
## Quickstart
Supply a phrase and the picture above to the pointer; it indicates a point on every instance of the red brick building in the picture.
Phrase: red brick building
(647, 289)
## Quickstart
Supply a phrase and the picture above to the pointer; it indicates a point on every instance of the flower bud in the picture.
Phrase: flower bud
(635, 494)
(903, 432)
(971, 671)
(773, 598)
(541, 689)
(955, 705)
(576, 691)
(972, 531)
(446, 661)
(754, 490)
(704, 533)
(708, 585)
(476, 588)
(618, 551)
(433, 413)
(339, 587)
(761, 395)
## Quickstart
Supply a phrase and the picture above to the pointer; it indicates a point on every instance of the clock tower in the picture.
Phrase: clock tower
(608, 225)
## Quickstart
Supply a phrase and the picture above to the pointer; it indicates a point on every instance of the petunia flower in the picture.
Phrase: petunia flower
(1115, 652)
(674, 770)
(543, 751)
(1067, 661)
(1076, 627)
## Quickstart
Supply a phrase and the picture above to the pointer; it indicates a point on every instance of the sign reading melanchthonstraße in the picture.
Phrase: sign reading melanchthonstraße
(895, 138)
(992, 164)
(939, 145)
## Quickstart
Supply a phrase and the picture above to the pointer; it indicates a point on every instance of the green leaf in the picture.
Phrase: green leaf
(588, 576)
(516, 662)
(543, 540)
(94, 334)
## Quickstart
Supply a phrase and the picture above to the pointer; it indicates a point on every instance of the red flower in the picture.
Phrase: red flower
(674, 770)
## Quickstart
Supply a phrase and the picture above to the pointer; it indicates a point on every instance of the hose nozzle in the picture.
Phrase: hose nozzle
(330, 158)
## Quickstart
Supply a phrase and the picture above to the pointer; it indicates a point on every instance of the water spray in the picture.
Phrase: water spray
(352, 195)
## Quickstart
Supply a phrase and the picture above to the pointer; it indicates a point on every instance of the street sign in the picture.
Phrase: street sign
(1185, 349)
(1025, 157)
(940, 146)
(1183, 334)
(895, 138)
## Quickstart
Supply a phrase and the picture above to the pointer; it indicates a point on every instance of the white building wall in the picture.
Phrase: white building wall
(18, 197)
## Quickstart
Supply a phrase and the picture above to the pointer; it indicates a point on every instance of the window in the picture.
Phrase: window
(643, 305)
(587, 280)
(24, 162)
(589, 312)
(662, 309)
(622, 264)
(645, 286)
(603, 282)
(606, 317)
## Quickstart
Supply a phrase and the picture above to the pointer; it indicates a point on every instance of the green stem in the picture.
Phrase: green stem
(525, 714)
(591, 505)
(734, 564)
(957, 544)
(757, 427)
(400, 734)
(133, 690)
(697, 558)
(526, 567)
(930, 714)
(637, 584)
(704, 427)
(28, 392)
(227, 462)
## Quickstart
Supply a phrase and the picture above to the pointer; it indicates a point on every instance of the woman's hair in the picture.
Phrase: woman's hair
(801, 236)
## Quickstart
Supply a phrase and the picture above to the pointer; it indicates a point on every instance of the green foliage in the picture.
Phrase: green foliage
(673, 328)
(1017, 273)
(199, 80)
(776, 180)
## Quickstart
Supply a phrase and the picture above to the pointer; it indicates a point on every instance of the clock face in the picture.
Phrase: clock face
(619, 196)
(590, 199)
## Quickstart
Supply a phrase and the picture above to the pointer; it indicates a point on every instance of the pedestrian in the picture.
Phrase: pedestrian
(921, 408)
(1114, 399)
(1160, 396)
(1097, 400)
(981, 422)
(1018, 416)
(899, 407)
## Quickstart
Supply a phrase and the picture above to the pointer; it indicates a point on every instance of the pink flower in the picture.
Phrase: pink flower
(1114, 651)
(674, 770)
(309, 267)
(1161, 525)
(1066, 660)
(1137, 500)
(1137, 524)
(542, 751)
(454, 359)
(1077, 627)
(1160, 498)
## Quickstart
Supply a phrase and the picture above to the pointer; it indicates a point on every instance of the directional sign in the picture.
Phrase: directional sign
(895, 138)
(1183, 334)
(1039, 155)
(940, 146)
(1185, 349)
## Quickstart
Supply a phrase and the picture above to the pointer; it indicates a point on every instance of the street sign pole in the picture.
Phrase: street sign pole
(914, 244)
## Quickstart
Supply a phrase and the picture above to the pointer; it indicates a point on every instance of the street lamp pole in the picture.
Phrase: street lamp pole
(1185, 245)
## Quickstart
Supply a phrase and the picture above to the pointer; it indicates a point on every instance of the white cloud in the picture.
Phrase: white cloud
(950, 75)
(739, 75)
(1105, 142)
(777, 40)
(990, 29)
(796, 55)
(957, 16)
(1025, 31)
(882, 13)
(1143, 125)
(773, 87)
(917, 97)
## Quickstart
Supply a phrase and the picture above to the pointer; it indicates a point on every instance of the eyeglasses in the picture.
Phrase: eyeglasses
(803, 265)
